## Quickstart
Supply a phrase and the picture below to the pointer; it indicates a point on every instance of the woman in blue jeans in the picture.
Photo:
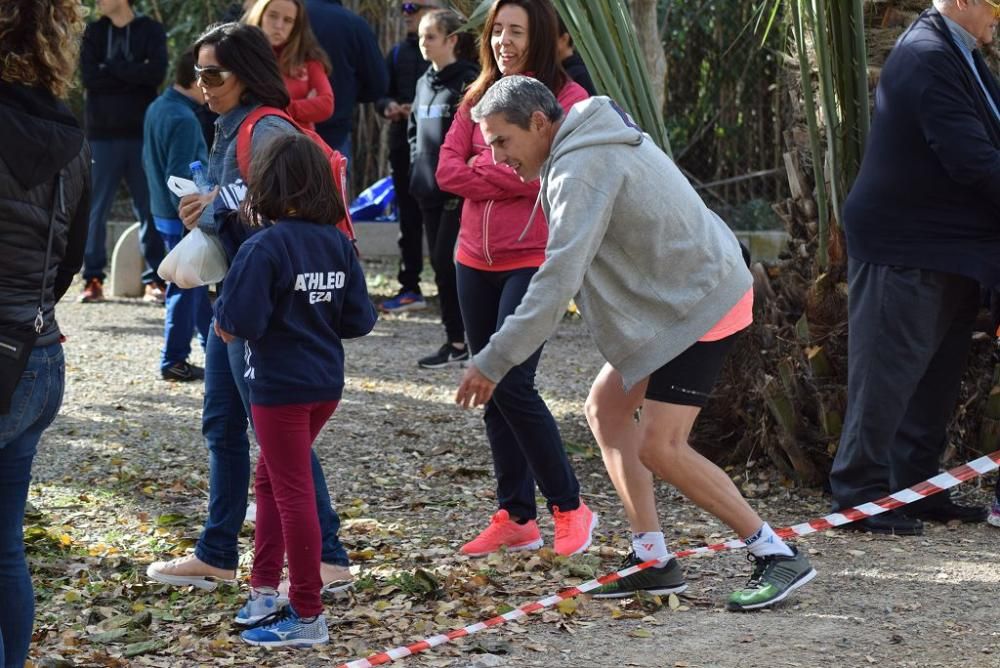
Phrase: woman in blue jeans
(237, 72)
(44, 203)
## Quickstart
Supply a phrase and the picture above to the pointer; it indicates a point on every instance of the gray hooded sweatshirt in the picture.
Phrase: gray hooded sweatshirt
(651, 268)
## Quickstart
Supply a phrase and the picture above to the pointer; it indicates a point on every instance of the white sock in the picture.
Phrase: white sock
(765, 542)
(650, 545)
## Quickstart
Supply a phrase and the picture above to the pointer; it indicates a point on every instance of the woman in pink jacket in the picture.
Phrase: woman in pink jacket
(303, 63)
(501, 244)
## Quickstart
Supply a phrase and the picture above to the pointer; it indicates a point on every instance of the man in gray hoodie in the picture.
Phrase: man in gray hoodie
(661, 283)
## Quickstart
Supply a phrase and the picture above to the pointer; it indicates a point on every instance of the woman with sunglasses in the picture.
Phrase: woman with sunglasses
(237, 72)
(303, 63)
(501, 244)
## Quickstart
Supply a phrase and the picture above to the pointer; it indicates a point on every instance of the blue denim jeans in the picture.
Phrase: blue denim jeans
(224, 425)
(35, 404)
(188, 311)
(523, 435)
(111, 161)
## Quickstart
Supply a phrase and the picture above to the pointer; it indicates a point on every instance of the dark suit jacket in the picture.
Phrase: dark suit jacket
(358, 75)
(928, 193)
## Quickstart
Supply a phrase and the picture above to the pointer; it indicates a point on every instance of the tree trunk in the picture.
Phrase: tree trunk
(648, 33)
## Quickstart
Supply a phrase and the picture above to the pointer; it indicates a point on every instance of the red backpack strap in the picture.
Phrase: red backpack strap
(338, 163)
(244, 136)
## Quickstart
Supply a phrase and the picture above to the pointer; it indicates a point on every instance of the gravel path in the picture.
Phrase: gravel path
(121, 479)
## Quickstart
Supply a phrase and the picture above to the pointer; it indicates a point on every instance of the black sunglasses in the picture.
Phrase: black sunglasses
(411, 8)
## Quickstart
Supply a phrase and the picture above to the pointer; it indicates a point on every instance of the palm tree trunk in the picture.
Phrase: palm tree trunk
(648, 33)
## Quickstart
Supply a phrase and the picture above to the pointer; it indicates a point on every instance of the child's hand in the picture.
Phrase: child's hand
(222, 334)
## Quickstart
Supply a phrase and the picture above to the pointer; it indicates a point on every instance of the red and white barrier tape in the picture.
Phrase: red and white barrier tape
(931, 486)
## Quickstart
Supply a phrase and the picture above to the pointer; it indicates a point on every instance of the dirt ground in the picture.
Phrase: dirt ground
(121, 479)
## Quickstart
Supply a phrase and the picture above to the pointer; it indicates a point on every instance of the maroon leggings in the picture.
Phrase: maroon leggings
(286, 501)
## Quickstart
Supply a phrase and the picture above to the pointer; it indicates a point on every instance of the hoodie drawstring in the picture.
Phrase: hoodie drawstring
(531, 218)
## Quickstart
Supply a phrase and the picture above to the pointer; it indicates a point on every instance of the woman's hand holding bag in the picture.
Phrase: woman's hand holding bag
(197, 260)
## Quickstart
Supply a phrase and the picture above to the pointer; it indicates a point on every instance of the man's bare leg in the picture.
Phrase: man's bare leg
(659, 444)
(664, 450)
(610, 414)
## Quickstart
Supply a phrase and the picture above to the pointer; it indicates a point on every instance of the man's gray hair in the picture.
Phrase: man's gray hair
(517, 98)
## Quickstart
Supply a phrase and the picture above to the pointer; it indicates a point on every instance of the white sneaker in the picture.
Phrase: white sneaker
(189, 570)
(335, 579)
(262, 603)
(993, 519)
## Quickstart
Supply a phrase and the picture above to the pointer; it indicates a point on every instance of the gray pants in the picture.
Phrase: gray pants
(909, 336)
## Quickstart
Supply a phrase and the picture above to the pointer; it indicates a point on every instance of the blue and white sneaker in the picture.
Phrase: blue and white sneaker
(262, 603)
(287, 629)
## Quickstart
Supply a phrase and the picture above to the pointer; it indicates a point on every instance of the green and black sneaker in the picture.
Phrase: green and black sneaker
(774, 577)
(658, 581)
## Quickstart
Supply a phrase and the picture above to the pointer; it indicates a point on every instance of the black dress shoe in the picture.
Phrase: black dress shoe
(888, 523)
(948, 511)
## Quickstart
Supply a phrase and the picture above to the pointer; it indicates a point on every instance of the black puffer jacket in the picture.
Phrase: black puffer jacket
(43, 145)
(438, 95)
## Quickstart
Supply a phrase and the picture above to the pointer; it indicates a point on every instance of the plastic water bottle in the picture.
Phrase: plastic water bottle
(200, 178)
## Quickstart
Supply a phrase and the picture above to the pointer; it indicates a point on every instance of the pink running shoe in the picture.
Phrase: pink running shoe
(504, 532)
(574, 529)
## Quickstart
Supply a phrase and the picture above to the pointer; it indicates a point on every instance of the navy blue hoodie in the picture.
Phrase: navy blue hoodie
(121, 68)
(294, 291)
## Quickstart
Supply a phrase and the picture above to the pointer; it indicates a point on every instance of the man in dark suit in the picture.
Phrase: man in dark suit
(923, 233)
(358, 74)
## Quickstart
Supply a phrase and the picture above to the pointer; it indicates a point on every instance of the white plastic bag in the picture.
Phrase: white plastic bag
(197, 260)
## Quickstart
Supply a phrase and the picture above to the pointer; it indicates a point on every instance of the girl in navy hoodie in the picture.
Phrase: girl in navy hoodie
(439, 92)
(294, 291)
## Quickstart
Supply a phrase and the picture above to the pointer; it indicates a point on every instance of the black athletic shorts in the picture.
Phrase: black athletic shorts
(688, 379)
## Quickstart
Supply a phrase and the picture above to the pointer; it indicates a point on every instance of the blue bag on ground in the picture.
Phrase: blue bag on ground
(377, 202)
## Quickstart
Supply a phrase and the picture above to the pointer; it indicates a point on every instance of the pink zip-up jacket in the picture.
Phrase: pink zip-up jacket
(494, 233)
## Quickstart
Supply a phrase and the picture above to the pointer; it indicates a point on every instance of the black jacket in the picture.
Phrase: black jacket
(43, 143)
(928, 193)
(438, 94)
(358, 73)
(122, 68)
(578, 72)
(405, 65)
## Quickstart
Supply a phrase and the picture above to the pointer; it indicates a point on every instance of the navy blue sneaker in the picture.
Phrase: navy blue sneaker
(286, 629)
(406, 300)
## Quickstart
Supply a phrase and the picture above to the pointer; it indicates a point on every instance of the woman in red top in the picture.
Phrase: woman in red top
(501, 244)
(303, 63)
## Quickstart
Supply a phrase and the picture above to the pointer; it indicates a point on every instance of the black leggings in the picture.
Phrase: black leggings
(523, 435)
